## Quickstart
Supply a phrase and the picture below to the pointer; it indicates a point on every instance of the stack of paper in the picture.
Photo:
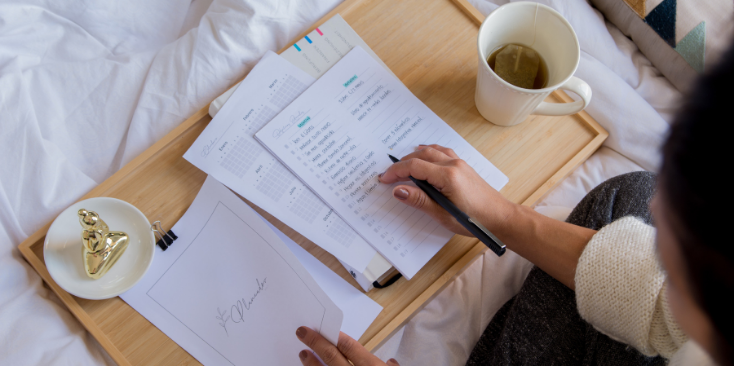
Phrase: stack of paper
(227, 150)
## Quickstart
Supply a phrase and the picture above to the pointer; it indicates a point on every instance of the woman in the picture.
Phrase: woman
(600, 271)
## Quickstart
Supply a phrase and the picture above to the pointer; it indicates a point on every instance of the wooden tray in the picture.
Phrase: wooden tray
(431, 47)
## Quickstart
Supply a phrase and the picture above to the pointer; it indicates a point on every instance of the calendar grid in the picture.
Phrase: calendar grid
(307, 206)
(265, 115)
(291, 89)
(341, 232)
(241, 157)
(275, 182)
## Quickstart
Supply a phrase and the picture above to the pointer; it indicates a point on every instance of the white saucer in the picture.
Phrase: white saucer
(62, 249)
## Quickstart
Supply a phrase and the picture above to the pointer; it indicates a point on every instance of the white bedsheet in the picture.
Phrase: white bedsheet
(86, 86)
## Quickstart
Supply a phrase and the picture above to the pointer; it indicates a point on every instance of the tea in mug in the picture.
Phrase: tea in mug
(520, 66)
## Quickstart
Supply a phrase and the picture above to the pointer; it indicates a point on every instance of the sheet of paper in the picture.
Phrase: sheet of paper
(229, 291)
(227, 151)
(336, 137)
(359, 310)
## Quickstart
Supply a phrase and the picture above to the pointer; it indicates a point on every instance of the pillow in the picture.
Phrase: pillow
(680, 37)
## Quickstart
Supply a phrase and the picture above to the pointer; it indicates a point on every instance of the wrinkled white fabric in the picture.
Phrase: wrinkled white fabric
(85, 86)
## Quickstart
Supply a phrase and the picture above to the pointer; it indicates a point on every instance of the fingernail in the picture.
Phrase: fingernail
(301, 332)
(302, 355)
(379, 176)
(401, 194)
(393, 360)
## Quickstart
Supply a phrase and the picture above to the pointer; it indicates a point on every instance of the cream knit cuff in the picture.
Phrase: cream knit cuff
(620, 289)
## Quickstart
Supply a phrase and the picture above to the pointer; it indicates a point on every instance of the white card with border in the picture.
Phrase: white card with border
(229, 291)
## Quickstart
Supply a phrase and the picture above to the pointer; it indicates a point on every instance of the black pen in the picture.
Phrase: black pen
(474, 227)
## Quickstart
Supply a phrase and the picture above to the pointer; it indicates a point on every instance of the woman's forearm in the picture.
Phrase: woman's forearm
(554, 246)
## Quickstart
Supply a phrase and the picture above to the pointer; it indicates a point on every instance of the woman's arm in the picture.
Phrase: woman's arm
(552, 245)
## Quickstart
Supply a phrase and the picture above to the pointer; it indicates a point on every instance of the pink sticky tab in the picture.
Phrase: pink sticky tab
(319, 31)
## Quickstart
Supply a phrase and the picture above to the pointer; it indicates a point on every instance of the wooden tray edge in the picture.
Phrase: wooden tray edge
(426, 296)
(71, 303)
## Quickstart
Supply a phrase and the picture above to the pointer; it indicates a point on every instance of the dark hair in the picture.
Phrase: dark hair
(695, 188)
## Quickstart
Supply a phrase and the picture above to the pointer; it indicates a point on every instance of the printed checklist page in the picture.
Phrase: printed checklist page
(336, 137)
(227, 150)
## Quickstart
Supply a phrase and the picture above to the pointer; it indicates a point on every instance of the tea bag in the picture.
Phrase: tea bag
(517, 65)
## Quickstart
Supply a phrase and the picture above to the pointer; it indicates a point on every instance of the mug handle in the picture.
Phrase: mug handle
(574, 84)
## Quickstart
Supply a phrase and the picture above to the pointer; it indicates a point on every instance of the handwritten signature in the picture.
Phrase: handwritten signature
(237, 311)
(292, 121)
(208, 148)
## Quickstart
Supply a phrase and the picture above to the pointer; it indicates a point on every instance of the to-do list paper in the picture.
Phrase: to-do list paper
(336, 137)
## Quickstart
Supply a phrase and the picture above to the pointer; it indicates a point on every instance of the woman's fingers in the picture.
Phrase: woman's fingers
(346, 349)
(447, 151)
(418, 169)
(432, 153)
(326, 351)
(414, 162)
(309, 359)
(392, 362)
(415, 197)
(355, 352)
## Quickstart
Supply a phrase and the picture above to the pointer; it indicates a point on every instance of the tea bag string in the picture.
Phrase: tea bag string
(535, 28)
(535, 34)
(517, 58)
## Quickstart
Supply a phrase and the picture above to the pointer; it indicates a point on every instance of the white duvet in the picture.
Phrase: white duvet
(85, 86)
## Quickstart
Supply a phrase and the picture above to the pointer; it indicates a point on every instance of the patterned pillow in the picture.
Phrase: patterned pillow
(680, 37)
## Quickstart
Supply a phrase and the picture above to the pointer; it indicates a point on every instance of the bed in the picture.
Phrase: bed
(85, 87)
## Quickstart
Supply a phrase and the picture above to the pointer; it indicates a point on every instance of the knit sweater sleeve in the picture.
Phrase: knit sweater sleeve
(620, 289)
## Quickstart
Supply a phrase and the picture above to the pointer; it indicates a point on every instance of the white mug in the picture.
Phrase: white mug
(547, 32)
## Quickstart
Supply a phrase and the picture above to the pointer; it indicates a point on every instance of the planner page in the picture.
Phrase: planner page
(227, 150)
(336, 138)
(228, 290)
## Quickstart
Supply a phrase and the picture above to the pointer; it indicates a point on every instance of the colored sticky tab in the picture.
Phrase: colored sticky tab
(319, 31)
(296, 46)
(308, 39)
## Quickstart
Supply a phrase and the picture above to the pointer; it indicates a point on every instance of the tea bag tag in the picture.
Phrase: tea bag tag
(518, 66)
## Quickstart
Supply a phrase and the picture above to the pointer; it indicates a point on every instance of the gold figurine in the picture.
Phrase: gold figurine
(101, 248)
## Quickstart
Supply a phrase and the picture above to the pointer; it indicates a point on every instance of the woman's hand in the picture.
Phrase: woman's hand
(552, 245)
(347, 352)
(456, 180)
